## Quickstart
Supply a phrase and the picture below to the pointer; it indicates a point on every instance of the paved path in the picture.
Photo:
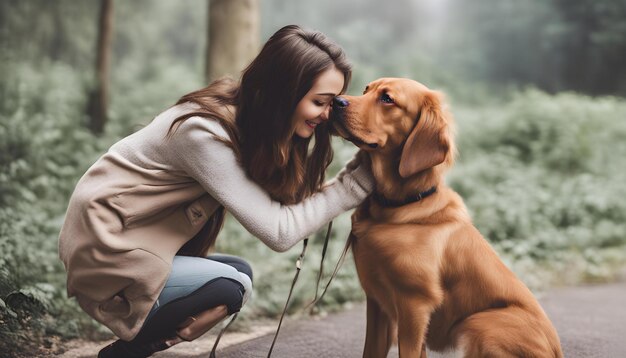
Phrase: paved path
(591, 321)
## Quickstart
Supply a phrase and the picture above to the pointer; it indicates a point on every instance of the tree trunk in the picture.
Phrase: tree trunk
(233, 37)
(98, 99)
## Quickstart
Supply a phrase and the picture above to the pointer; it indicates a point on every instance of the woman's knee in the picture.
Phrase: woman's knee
(226, 291)
(246, 281)
(237, 262)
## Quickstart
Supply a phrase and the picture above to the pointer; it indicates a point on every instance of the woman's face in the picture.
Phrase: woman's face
(315, 106)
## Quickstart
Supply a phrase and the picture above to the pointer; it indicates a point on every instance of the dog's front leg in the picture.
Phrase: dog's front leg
(380, 331)
(413, 319)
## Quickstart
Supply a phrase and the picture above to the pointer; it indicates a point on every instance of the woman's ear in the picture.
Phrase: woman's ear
(429, 143)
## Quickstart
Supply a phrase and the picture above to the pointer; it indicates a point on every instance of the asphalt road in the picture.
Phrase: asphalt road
(591, 321)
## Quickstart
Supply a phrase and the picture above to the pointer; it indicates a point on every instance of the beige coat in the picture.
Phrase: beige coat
(139, 203)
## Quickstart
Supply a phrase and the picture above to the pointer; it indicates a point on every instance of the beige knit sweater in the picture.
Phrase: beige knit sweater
(139, 203)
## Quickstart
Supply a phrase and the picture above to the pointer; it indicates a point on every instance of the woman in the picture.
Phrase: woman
(142, 218)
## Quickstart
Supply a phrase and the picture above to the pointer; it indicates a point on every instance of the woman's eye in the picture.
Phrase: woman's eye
(319, 103)
(385, 98)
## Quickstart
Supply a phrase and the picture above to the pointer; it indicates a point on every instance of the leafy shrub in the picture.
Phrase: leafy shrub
(43, 150)
(542, 175)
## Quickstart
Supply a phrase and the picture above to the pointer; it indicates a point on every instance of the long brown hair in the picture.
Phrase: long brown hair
(257, 115)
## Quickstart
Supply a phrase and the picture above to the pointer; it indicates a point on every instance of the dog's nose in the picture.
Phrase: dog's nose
(340, 102)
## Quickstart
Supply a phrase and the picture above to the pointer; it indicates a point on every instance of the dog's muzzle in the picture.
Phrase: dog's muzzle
(338, 123)
(337, 117)
(340, 102)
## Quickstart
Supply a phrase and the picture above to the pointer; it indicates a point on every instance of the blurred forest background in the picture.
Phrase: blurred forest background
(537, 88)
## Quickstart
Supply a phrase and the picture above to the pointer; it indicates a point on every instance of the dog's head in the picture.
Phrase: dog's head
(397, 117)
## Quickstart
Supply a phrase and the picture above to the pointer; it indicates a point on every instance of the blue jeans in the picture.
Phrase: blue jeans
(194, 285)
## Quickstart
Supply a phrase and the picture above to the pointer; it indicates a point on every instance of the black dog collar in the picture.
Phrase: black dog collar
(411, 199)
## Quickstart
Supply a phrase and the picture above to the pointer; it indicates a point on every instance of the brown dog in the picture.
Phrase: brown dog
(429, 276)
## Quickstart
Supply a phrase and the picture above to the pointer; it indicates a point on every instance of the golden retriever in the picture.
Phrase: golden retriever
(430, 277)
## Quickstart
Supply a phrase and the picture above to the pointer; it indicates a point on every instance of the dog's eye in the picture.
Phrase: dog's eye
(366, 88)
(385, 98)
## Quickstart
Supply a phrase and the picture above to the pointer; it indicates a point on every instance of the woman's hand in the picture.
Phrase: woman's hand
(360, 169)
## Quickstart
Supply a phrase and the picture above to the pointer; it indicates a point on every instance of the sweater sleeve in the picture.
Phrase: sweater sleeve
(194, 149)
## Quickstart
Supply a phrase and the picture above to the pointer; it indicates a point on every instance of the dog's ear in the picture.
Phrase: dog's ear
(428, 143)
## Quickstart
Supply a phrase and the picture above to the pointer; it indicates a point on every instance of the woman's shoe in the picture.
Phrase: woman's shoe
(124, 349)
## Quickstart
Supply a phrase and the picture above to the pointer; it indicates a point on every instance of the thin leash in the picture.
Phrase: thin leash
(293, 283)
(311, 305)
(319, 275)
(316, 299)
(217, 340)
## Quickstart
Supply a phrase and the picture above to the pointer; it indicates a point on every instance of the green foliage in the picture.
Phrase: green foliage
(44, 149)
(543, 177)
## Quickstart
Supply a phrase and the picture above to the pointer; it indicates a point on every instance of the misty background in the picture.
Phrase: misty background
(536, 87)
